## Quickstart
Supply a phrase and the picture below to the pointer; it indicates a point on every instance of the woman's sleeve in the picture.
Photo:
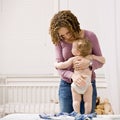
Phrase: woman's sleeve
(66, 74)
(96, 51)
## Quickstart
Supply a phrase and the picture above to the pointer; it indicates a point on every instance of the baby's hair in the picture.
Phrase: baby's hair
(84, 46)
(66, 19)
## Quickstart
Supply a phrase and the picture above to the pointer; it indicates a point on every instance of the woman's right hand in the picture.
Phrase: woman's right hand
(79, 80)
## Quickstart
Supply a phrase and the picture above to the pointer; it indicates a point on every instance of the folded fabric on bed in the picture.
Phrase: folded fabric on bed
(68, 116)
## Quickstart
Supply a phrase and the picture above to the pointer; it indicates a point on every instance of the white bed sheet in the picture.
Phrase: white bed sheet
(21, 117)
(107, 117)
(33, 117)
(36, 117)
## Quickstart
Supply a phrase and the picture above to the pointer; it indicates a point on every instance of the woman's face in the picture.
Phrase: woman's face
(65, 34)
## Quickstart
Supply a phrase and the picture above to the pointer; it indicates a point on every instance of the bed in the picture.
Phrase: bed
(65, 117)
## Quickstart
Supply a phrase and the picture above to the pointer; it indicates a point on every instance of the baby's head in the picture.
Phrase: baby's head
(82, 47)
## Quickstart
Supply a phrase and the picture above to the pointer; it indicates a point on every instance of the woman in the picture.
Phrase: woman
(64, 29)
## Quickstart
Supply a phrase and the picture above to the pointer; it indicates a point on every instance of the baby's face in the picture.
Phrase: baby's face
(75, 51)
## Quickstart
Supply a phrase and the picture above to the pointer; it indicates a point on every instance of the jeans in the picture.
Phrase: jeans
(65, 97)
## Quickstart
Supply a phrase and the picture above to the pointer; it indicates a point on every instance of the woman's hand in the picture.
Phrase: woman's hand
(79, 80)
(81, 63)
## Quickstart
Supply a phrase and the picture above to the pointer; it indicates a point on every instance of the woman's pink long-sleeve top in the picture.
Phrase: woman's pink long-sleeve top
(63, 52)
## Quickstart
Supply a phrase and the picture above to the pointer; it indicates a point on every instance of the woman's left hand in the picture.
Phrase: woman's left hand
(81, 63)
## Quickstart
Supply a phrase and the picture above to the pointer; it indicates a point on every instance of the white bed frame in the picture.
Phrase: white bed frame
(33, 94)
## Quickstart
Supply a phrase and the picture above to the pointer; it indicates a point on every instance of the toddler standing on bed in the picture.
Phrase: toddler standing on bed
(81, 49)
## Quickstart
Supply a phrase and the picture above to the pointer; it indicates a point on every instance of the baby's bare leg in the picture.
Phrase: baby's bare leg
(88, 100)
(76, 100)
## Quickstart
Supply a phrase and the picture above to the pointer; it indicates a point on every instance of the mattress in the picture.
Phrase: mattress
(33, 117)
(21, 117)
(36, 117)
(107, 117)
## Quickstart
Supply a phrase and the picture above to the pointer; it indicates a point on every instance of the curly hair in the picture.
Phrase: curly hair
(64, 18)
(84, 46)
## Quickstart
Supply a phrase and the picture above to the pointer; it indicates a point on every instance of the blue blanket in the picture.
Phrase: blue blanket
(70, 116)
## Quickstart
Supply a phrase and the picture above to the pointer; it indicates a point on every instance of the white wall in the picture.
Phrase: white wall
(26, 44)
(0, 30)
(117, 22)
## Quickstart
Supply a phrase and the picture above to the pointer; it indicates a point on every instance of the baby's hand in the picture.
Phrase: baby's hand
(56, 64)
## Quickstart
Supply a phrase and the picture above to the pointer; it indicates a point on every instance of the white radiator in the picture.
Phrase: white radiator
(29, 95)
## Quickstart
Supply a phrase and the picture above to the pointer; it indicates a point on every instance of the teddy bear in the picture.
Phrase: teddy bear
(103, 107)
